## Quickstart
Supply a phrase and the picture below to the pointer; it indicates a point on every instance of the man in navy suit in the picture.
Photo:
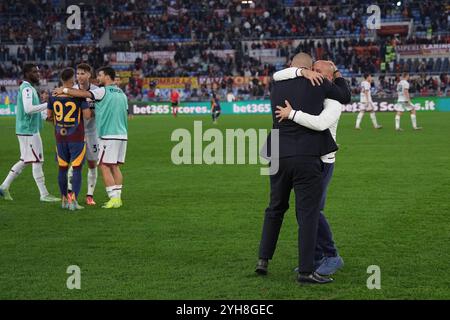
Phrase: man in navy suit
(299, 166)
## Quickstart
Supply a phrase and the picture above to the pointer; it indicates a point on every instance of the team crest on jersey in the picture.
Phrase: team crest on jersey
(63, 131)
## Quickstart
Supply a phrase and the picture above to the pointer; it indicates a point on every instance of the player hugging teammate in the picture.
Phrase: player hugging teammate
(68, 115)
(84, 77)
(111, 107)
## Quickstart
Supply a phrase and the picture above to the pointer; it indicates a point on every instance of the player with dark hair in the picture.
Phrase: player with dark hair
(84, 76)
(68, 115)
(111, 106)
(28, 126)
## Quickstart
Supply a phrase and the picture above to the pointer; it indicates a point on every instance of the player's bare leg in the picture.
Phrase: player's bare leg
(107, 176)
(118, 179)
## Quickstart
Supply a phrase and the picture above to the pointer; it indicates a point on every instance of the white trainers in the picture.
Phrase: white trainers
(5, 194)
(50, 198)
(73, 205)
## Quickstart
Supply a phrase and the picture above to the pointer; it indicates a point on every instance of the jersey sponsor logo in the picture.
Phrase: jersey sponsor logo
(112, 89)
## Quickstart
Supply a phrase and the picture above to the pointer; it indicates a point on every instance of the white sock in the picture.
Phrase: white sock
(118, 189)
(92, 181)
(69, 178)
(38, 175)
(13, 173)
(397, 122)
(111, 191)
(359, 119)
(414, 121)
(374, 119)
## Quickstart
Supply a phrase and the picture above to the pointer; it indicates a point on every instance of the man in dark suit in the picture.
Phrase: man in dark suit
(299, 167)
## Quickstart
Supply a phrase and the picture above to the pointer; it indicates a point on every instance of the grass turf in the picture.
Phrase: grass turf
(192, 231)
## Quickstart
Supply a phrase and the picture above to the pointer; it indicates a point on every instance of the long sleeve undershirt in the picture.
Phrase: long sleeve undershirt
(29, 108)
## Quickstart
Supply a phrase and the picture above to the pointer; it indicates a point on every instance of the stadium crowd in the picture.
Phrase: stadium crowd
(222, 21)
(33, 31)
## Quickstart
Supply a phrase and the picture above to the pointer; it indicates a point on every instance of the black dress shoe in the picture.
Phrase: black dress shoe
(313, 278)
(262, 266)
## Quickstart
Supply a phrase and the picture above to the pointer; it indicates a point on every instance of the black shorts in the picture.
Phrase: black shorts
(174, 104)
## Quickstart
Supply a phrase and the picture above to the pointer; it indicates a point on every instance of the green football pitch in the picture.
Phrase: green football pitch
(192, 231)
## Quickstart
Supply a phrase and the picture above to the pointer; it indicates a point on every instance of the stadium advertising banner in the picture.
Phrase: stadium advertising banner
(151, 108)
(246, 107)
(123, 57)
(130, 57)
(222, 53)
(258, 53)
(380, 105)
(257, 106)
(195, 82)
(7, 110)
(201, 107)
(9, 82)
(393, 28)
(263, 106)
(123, 34)
(172, 83)
(424, 49)
(161, 56)
(388, 104)
(237, 81)
(443, 104)
(432, 103)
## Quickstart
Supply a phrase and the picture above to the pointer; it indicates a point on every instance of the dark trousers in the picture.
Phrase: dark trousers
(215, 114)
(304, 175)
(325, 244)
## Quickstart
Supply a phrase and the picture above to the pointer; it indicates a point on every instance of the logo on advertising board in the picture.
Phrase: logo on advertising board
(7, 110)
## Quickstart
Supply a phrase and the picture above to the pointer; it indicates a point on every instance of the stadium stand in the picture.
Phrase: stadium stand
(219, 39)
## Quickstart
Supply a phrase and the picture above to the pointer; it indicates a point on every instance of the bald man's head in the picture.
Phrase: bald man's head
(302, 60)
(324, 67)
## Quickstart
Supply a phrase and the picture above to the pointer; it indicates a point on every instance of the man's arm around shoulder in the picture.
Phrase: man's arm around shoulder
(337, 90)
